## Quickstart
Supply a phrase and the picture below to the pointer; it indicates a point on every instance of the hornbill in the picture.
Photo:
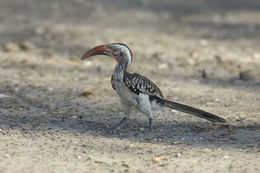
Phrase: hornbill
(137, 91)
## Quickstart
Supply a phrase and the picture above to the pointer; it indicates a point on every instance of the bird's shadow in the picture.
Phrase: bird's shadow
(73, 115)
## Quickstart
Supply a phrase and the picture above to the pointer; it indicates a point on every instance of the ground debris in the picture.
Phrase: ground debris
(60, 112)
(125, 165)
(204, 74)
(88, 93)
(7, 156)
(246, 75)
(158, 159)
(18, 46)
(4, 96)
(213, 104)
(26, 45)
(11, 47)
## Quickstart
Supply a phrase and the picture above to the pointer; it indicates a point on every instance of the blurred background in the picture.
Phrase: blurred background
(220, 38)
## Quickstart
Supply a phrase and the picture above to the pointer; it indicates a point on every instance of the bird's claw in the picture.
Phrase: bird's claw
(117, 126)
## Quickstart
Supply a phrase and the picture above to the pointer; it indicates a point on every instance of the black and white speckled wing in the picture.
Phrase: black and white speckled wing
(140, 84)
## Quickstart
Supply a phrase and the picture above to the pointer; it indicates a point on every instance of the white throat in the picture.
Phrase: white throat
(119, 73)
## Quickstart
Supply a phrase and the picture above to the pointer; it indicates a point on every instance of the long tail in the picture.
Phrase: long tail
(191, 110)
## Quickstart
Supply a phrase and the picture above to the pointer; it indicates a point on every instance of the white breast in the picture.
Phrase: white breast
(125, 93)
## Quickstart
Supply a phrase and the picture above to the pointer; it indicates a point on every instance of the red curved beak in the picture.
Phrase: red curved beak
(98, 50)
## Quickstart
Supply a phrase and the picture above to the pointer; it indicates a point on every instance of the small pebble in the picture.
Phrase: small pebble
(125, 165)
(11, 47)
(163, 66)
(203, 42)
(204, 74)
(4, 96)
(7, 156)
(245, 76)
(88, 63)
(26, 45)
(39, 30)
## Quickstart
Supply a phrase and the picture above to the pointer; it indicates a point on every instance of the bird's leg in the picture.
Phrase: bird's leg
(127, 110)
(146, 107)
(150, 115)
(119, 124)
(151, 124)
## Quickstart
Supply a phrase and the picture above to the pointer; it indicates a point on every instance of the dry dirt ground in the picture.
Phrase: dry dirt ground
(55, 110)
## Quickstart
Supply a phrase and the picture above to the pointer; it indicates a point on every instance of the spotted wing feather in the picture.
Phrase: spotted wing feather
(140, 84)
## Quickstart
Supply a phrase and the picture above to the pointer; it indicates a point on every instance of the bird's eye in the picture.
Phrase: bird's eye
(115, 50)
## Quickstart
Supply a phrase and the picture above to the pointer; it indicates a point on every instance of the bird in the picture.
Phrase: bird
(137, 91)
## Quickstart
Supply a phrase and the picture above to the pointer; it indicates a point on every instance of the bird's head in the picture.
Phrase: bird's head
(119, 51)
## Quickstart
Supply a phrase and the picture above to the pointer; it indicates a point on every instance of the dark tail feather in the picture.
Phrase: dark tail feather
(191, 110)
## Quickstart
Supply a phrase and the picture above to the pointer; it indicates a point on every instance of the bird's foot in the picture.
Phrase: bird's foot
(118, 125)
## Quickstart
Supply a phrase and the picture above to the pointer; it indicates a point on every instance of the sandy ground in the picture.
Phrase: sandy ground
(55, 110)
